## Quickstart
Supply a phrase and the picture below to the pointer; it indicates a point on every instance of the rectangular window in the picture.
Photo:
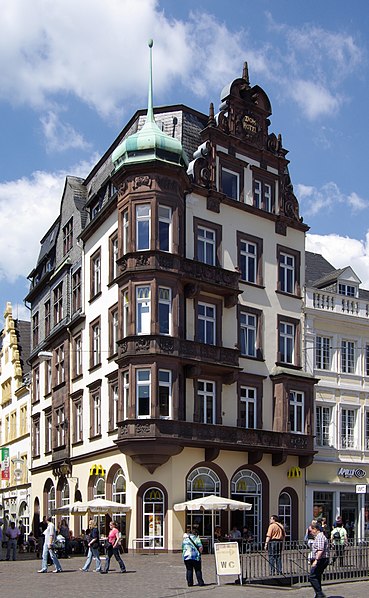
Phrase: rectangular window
(113, 256)
(113, 405)
(322, 425)
(230, 183)
(248, 407)
(48, 376)
(59, 365)
(206, 398)
(36, 384)
(297, 418)
(95, 343)
(248, 261)
(143, 310)
(125, 313)
(125, 394)
(206, 245)
(95, 266)
(286, 342)
(58, 304)
(36, 437)
(206, 323)
(287, 273)
(113, 330)
(264, 195)
(48, 432)
(77, 356)
(257, 194)
(125, 231)
(47, 318)
(143, 394)
(78, 421)
(35, 329)
(143, 225)
(60, 426)
(248, 334)
(367, 360)
(165, 310)
(348, 357)
(95, 413)
(323, 353)
(346, 289)
(165, 393)
(348, 417)
(23, 421)
(366, 447)
(165, 228)
(68, 236)
(76, 290)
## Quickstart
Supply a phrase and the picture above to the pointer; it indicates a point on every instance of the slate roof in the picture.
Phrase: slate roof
(316, 268)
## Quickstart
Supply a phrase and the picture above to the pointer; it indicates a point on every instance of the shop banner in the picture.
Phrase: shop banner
(5, 464)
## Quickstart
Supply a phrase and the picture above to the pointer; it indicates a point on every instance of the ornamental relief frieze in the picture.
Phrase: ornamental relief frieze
(167, 184)
(142, 181)
(142, 344)
(142, 260)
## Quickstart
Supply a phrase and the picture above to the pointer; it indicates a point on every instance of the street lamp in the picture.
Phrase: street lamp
(44, 355)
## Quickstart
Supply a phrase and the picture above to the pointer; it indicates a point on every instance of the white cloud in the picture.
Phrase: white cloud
(61, 136)
(28, 207)
(314, 201)
(343, 251)
(314, 99)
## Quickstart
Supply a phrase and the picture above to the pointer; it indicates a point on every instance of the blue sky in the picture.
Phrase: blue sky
(72, 73)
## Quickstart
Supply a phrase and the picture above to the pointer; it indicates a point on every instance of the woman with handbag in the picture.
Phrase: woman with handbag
(191, 552)
(112, 548)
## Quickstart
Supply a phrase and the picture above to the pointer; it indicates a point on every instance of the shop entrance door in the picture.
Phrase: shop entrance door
(349, 513)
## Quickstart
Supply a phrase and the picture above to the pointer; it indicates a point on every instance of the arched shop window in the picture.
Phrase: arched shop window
(202, 481)
(24, 516)
(99, 492)
(247, 487)
(51, 499)
(65, 498)
(153, 518)
(285, 512)
(119, 495)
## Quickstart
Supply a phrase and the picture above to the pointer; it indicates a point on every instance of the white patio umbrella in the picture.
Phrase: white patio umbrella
(212, 503)
(97, 506)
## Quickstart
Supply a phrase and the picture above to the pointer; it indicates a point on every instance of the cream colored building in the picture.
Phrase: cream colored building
(337, 352)
(174, 367)
(15, 419)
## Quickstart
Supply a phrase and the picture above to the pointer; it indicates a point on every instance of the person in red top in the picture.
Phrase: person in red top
(113, 548)
(274, 544)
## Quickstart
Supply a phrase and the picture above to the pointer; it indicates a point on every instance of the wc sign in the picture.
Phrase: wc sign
(227, 559)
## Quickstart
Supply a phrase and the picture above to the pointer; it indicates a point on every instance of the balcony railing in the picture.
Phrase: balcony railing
(337, 303)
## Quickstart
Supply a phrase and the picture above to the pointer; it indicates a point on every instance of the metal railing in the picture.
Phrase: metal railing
(348, 564)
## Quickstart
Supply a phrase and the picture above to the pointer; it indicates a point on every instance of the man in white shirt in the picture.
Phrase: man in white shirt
(49, 548)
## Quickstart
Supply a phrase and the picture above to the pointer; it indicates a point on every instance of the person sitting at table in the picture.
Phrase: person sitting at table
(235, 533)
(218, 536)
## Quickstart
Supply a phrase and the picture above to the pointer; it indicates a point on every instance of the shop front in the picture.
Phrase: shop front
(334, 490)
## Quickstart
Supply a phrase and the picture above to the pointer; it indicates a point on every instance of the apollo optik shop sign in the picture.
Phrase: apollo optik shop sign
(5, 463)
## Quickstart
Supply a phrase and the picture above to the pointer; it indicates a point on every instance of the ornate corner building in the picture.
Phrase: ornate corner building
(167, 326)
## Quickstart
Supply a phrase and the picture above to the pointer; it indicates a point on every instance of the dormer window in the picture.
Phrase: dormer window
(230, 183)
(347, 289)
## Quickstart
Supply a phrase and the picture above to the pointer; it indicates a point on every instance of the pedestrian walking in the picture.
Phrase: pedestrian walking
(112, 549)
(191, 551)
(339, 542)
(319, 559)
(48, 548)
(93, 548)
(12, 533)
(274, 544)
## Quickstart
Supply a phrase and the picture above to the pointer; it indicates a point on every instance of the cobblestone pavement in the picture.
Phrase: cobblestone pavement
(148, 576)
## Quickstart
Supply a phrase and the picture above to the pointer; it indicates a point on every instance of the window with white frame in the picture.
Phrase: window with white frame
(51, 499)
(206, 245)
(78, 355)
(206, 392)
(248, 261)
(78, 432)
(36, 437)
(257, 194)
(115, 405)
(206, 324)
(287, 273)
(230, 183)
(268, 199)
(96, 344)
(348, 357)
(125, 312)
(366, 360)
(143, 310)
(323, 416)
(348, 421)
(59, 365)
(153, 518)
(48, 432)
(125, 394)
(165, 228)
(58, 304)
(264, 196)
(36, 384)
(248, 407)
(60, 426)
(323, 353)
(286, 342)
(165, 310)
(113, 254)
(296, 411)
(143, 393)
(125, 231)
(165, 393)
(366, 444)
(96, 274)
(248, 334)
(95, 413)
(114, 331)
(143, 224)
(346, 289)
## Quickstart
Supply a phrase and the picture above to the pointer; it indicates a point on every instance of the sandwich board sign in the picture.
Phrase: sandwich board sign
(227, 559)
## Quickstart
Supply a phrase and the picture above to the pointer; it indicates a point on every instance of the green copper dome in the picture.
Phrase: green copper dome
(150, 143)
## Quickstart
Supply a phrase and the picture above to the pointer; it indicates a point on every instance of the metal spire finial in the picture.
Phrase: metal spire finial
(150, 110)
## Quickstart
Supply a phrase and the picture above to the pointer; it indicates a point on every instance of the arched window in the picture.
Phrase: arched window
(99, 492)
(65, 498)
(24, 517)
(202, 481)
(285, 512)
(247, 487)
(119, 495)
(153, 518)
(51, 499)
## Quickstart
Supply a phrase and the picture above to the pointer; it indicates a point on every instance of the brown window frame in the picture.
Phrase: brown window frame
(297, 341)
(47, 317)
(259, 331)
(36, 388)
(218, 318)
(251, 381)
(59, 364)
(95, 286)
(68, 236)
(265, 178)
(242, 237)
(58, 303)
(217, 228)
(93, 324)
(35, 329)
(112, 262)
(236, 166)
(75, 356)
(77, 290)
(113, 350)
(112, 384)
(281, 249)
